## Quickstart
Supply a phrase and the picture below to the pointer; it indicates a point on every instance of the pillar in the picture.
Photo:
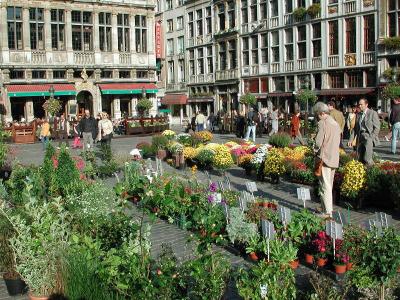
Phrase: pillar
(114, 36)
(96, 39)
(47, 30)
(208, 109)
(29, 114)
(117, 108)
(68, 38)
(133, 106)
(181, 114)
(26, 29)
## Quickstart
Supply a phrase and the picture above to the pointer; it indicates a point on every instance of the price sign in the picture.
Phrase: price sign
(159, 167)
(303, 194)
(374, 225)
(263, 291)
(150, 178)
(251, 186)
(385, 219)
(227, 182)
(116, 176)
(335, 231)
(225, 208)
(285, 215)
(268, 229)
(340, 217)
(149, 164)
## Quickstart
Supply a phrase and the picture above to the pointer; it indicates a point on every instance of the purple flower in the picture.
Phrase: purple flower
(213, 187)
(223, 201)
(210, 198)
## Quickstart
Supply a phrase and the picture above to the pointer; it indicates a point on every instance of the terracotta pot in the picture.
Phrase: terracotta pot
(161, 154)
(398, 270)
(32, 297)
(253, 256)
(203, 233)
(349, 266)
(155, 210)
(294, 264)
(321, 262)
(309, 258)
(340, 269)
(124, 194)
(214, 235)
(265, 204)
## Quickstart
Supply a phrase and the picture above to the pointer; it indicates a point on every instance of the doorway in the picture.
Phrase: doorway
(85, 101)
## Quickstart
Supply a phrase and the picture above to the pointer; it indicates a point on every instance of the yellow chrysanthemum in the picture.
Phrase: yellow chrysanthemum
(223, 158)
(354, 178)
(274, 164)
(189, 152)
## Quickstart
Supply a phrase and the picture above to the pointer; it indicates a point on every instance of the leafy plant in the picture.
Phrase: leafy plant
(280, 140)
(283, 252)
(159, 141)
(4, 149)
(313, 10)
(299, 13)
(52, 106)
(305, 96)
(66, 172)
(238, 229)
(248, 99)
(143, 105)
(391, 91)
(392, 43)
(280, 282)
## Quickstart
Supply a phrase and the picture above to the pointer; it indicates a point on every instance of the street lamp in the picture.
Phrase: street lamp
(143, 92)
(51, 91)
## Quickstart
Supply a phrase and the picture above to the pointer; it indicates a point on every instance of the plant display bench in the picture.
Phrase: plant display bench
(146, 125)
(23, 134)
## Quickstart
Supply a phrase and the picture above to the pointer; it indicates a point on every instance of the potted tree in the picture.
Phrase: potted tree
(305, 97)
(143, 106)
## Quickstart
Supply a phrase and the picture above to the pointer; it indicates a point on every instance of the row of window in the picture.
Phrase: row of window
(179, 24)
(180, 49)
(171, 71)
(62, 74)
(81, 27)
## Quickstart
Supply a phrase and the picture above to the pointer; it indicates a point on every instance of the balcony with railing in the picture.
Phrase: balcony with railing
(302, 64)
(171, 87)
(316, 62)
(227, 74)
(274, 22)
(275, 67)
(84, 58)
(254, 70)
(39, 57)
(333, 60)
(125, 58)
(368, 58)
(349, 7)
(201, 78)
(244, 28)
(287, 19)
(289, 66)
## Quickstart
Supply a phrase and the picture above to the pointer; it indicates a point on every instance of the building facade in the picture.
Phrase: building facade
(97, 55)
(274, 48)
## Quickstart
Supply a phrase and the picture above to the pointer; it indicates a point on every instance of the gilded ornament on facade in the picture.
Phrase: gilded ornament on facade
(350, 59)
(368, 3)
(333, 9)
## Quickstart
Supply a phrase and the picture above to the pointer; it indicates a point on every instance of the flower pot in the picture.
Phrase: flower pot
(349, 266)
(253, 256)
(15, 286)
(214, 235)
(265, 204)
(203, 233)
(294, 264)
(32, 297)
(340, 269)
(309, 258)
(321, 262)
(161, 154)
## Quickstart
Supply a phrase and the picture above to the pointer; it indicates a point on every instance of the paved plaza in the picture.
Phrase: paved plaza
(284, 193)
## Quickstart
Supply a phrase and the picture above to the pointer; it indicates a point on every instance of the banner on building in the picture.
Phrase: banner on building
(158, 40)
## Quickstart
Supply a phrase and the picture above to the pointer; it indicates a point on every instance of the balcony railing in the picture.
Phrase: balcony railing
(227, 74)
(38, 57)
(273, 22)
(368, 58)
(275, 67)
(288, 19)
(83, 58)
(289, 66)
(201, 78)
(199, 40)
(254, 70)
(302, 64)
(333, 61)
(349, 7)
(176, 86)
(125, 58)
(316, 62)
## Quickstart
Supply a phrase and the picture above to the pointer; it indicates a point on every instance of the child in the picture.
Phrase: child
(77, 140)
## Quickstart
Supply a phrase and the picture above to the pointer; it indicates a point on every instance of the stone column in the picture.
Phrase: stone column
(68, 37)
(117, 107)
(7, 104)
(47, 36)
(25, 34)
(132, 33)
(153, 109)
(96, 39)
(3, 34)
(114, 34)
(133, 106)
(29, 114)
(181, 114)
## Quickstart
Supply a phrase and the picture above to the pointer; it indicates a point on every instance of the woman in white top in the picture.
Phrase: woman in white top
(105, 129)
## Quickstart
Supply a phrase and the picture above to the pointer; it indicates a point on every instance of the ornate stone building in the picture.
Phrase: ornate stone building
(96, 54)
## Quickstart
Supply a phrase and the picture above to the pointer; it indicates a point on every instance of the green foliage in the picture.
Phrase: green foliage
(299, 13)
(66, 172)
(391, 91)
(47, 169)
(238, 229)
(248, 99)
(392, 43)
(283, 252)
(205, 157)
(148, 151)
(280, 140)
(52, 106)
(159, 142)
(279, 280)
(388, 73)
(313, 10)
(306, 95)
(3, 146)
(7, 265)
(144, 105)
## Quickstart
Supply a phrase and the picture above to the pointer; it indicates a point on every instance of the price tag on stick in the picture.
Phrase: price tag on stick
(208, 176)
(263, 291)
(340, 217)
(159, 167)
(268, 232)
(303, 194)
(227, 182)
(225, 208)
(285, 215)
(385, 219)
(335, 231)
(221, 185)
(251, 187)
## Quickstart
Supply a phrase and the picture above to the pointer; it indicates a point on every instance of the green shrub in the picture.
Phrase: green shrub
(280, 140)
(159, 142)
(66, 172)
(392, 43)
(313, 10)
(299, 13)
(248, 99)
(205, 157)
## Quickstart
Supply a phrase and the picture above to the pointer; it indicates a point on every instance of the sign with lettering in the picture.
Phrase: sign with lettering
(159, 167)
(208, 176)
(225, 209)
(221, 185)
(263, 291)
(340, 217)
(285, 215)
(251, 186)
(268, 229)
(374, 225)
(385, 219)
(218, 198)
(334, 230)
(158, 36)
(303, 194)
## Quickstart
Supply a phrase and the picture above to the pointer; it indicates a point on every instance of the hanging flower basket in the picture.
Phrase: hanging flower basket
(306, 96)
(248, 99)
(52, 106)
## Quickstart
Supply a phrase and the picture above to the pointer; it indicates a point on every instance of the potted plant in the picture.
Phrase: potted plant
(353, 238)
(248, 99)
(299, 13)
(313, 10)
(391, 91)
(392, 43)
(284, 253)
(274, 165)
(252, 247)
(143, 106)
(306, 96)
(160, 142)
(321, 244)
(341, 258)
(41, 237)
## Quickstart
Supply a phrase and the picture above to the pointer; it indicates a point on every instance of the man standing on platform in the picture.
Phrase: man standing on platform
(327, 149)
(366, 132)
(88, 127)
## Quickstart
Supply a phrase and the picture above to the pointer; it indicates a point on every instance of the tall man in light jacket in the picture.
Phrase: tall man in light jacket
(366, 132)
(327, 149)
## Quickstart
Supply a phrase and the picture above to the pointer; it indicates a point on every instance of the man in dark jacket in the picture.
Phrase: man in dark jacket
(88, 127)
(395, 122)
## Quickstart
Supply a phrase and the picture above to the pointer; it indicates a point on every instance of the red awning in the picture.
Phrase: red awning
(174, 99)
(345, 92)
(127, 86)
(21, 88)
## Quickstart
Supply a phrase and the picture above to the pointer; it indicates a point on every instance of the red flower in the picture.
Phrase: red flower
(55, 162)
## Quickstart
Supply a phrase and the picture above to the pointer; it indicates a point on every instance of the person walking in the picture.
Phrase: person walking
(45, 133)
(211, 121)
(327, 143)
(63, 129)
(105, 129)
(88, 128)
(200, 121)
(366, 132)
(295, 128)
(252, 118)
(338, 116)
(77, 136)
(395, 123)
(274, 121)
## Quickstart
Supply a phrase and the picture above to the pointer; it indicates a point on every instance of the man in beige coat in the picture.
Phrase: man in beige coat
(327, 149)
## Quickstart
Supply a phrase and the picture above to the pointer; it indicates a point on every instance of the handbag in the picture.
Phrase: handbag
(318, 167)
